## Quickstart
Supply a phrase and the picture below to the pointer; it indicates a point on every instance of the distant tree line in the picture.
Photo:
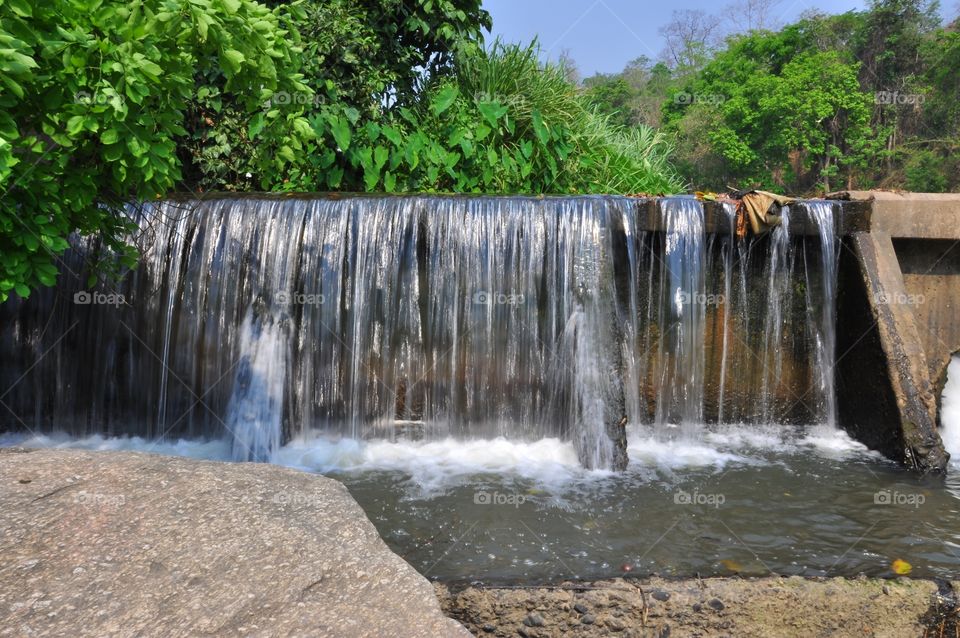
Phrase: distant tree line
(865, 99)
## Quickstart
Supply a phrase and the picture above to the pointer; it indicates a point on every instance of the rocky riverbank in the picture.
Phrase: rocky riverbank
(124, 544)
(760, 607)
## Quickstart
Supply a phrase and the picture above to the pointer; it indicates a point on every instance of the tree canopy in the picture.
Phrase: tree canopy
(858, 100)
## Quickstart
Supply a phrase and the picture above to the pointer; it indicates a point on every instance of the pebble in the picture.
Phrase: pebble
(615, 624)
(697, 607)
(534, 620)
(716, 603)
(661, 595)
(886, 590)
(588, 619)
(580, 608)
(489, 628)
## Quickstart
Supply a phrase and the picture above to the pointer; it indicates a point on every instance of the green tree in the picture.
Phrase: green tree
(784, 114)
(362, 61)
(614, 96)
(94, 96)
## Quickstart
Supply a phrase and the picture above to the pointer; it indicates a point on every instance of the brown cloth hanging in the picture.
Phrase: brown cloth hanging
(757, 207)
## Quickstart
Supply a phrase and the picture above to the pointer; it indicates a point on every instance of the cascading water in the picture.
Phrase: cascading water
(778, 278)
(256, 404)
(727, 257)
(950, 411)
(266, 319)
(682, 314)
(824, 330)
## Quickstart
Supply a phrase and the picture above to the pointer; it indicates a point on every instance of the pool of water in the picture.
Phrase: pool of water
(746, 499)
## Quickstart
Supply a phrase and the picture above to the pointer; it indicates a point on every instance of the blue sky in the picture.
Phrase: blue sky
(603, 35)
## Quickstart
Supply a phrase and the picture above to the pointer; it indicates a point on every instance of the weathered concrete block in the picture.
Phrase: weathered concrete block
(914, 215)
(904, 428)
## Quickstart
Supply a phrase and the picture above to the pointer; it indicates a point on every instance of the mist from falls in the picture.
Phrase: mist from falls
(406, 317)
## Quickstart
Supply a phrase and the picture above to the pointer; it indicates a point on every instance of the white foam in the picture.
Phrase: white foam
(950, 412)
(831, 442)
(719, 446)
(435, 464)
(432, 466)
(650, 450)
(215, 450)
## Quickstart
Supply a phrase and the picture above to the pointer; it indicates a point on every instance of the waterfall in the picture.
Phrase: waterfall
(778, 278)
(255, 409)
(950, 410)
(682, 314)
(268, 318)
(727, 257)
(822, 323)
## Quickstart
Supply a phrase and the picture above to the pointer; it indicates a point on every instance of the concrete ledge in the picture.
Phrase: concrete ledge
(914, 215)
(124, 544)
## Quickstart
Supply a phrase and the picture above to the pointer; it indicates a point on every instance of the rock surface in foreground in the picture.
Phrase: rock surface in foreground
(714, 607)
(124, 544)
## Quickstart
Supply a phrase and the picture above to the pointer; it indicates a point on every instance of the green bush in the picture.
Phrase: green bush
(503, 123)
(924, 172)
(107, 102)
(95, 95)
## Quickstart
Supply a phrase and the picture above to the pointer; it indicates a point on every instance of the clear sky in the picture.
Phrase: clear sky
(603, 35)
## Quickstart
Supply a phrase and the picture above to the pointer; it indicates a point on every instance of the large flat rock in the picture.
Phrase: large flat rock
(125, 544)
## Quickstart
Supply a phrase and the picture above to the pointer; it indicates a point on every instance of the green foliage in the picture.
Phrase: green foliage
(924, 172)
(613, 96)
(503, 123)
(94, 96)
(826, 102)
(361, 61)
(780, 117)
